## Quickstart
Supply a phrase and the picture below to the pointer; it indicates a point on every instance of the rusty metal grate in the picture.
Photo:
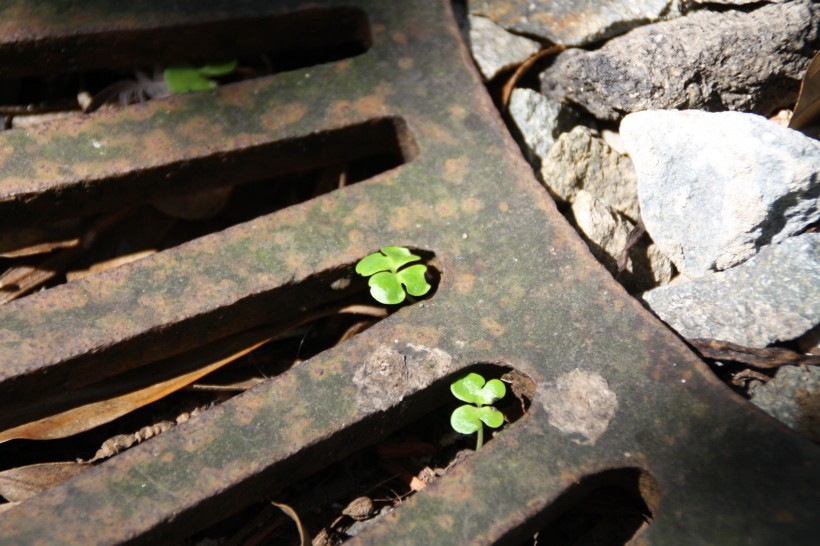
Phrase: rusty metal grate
(615, 389)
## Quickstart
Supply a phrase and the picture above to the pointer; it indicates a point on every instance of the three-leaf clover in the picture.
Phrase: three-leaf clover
(182, 79)
(473, 389)
(388, 281)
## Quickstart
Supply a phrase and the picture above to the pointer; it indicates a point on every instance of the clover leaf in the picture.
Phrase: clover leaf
(182, 79)
(467, 419)
(388, 282)
(474, 389)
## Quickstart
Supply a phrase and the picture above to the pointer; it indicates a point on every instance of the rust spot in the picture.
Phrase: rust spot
(363, 215)
(283, 238)
(446, 208)
(495, 328)
(5, 153)
(401, 219)
(340, 108)
(378, 28)
(283, 114)
(406, 63)
(235, 95)
(157, 143)
(45, 169)
(355, 236)
(455, 168)
(472, 205)
(457, 112)
(295, 261)
(342, 66)
(464, 283)
(427, 335)
(445, 521)
(371, 106)
(435, 132)
(503, 206)
(199, 130)
(399, 37)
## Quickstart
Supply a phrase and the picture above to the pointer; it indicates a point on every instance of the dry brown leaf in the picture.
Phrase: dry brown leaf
(88, 416)
(807, 110)
(17, 281)
(304, 536)
(99, 267)
(19, 484)
(40, 248)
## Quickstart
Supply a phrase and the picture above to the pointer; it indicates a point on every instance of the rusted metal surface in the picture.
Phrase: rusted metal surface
(518, 288)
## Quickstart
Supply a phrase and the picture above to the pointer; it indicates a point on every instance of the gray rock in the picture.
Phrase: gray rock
(772, 297)
(606, 233)
(580, 160)
(715, 187)
(539, 120)
(712, 61)
(494, 49)
(792, 397)
(573, 22)
(735, 2)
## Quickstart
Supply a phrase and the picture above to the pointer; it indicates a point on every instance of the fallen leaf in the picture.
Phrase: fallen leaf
(304, 536)
(19, 484)
(807, 109)
(88, 416)
(105, 265)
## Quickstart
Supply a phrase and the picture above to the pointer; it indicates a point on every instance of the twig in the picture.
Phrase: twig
(769, 357)
(506, 91)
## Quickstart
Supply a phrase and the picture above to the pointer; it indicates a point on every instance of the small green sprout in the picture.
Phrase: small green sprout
(182, 79)
(388, 283)
(473, 389)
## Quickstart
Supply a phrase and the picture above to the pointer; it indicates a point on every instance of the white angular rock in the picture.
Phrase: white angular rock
(774, 296)
(540, 121)
(716, 187)
(580, 160)
(495, 49)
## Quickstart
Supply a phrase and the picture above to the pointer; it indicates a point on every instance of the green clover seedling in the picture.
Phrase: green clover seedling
(473, 389)
(388, 281)
(182, 79)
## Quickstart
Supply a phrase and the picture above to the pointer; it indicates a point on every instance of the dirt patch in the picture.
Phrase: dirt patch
(581, 404)
(392, 372)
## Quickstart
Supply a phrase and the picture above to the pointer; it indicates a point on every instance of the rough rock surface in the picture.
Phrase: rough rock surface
(573, 22)
(793, 397)
(580, 160)
(715, 187)
(772, 297)
(606, 233)
(540, 121)
(494, 49)
(740, 61)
